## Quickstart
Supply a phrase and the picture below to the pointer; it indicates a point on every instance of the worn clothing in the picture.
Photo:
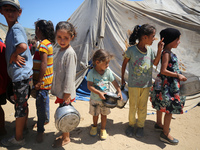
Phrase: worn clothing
(138, 98)
(21, 95)
(65, 62)
(140, 67)
(3, 99)
(42, 105)
(15, 36)
(46, 47)
(100, 82)
(139, 82)
(4, 78)
(97, 107)
(167, 99)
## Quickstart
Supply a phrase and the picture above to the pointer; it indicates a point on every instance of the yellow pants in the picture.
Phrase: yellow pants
(138, 98)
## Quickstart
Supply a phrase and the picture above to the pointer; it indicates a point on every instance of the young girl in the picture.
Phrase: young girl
(19, 67)
(141, 60)
(65, 61)
(43, 73)
(98, 82)
(165, 92)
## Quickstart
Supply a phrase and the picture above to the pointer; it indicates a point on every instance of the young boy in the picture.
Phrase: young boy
(19, 67)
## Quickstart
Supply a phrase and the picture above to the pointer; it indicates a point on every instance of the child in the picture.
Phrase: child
(65, 61)
(19, 67)
(43, 73)
(98, 82)
(141, 60)
(4, 81)
(165, 92)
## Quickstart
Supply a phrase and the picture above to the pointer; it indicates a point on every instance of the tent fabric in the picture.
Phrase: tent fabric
(107, 24)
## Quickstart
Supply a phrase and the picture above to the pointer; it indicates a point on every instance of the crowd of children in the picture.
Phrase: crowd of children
(57, 73)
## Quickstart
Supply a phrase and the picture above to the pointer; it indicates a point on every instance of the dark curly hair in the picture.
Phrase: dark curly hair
(139, 31)
(47, 29)
(67, 26)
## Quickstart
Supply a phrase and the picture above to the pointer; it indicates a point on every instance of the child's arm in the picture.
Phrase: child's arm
(160, 48)
(15, 57)
(164, 71)
(92, 89)
(123, 70)
(116, 85)
(43, 68)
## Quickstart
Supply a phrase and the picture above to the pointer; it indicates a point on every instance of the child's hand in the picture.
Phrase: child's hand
(67, 98)
(37, 85)
(120, 94)
(161, 45)
(101, 95)
(17, 59)
(182, 77)
(123, 82)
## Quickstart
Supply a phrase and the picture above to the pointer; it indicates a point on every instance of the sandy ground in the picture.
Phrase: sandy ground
(186, 128)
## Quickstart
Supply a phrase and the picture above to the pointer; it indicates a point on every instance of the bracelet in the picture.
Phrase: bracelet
(177, 75)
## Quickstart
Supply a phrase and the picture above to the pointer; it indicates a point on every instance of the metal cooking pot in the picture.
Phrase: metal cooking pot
(122, 103)
(67, 118)
(190, 87)
(111, 100)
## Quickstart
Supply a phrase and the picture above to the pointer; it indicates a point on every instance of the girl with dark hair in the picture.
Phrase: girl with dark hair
(141, 60)
(165, 92)
(65, 61)
(43, 72)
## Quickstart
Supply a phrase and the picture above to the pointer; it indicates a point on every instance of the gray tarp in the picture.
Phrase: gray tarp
(107, 24)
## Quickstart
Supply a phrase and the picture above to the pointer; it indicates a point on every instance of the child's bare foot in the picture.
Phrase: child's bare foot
(59, 142)
(39, 137)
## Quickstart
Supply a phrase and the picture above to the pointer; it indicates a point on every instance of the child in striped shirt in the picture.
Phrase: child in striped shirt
(43, 72)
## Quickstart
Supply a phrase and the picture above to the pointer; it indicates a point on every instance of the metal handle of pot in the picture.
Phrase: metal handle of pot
(65, 104)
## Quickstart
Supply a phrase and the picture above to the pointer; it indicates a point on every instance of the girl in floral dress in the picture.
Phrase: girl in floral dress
(165, 91)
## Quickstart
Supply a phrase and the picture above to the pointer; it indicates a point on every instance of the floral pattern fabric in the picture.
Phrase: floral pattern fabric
(167, 99)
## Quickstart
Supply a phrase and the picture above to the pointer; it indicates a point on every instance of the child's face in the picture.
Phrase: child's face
(63, 38)
(10, 13)
(103, 65)
(175, 43)
(151, 38)
(38, 33)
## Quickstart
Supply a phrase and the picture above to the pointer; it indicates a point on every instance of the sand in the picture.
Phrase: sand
(186, 128)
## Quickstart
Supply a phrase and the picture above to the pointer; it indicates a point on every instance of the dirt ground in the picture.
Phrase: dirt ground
(186, 128)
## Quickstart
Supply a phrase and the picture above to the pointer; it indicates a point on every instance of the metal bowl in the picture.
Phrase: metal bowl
(67, 118)
(122, 103)
(111, 100)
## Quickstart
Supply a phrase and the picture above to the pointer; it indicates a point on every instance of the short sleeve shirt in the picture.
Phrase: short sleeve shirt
(46, 47)
(100, 82)
(140, 67)
(15, 36)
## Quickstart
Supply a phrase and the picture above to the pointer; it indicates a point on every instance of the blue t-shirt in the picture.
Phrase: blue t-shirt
(100, 82)
(140, 67)
(14, 37)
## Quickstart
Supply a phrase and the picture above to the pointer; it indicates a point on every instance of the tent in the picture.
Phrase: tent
(108, 24)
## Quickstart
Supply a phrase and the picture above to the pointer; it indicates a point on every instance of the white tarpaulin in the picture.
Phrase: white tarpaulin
(107, 24)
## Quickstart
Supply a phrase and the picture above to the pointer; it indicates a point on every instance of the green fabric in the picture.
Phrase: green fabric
(140, 67)
(100, 82)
